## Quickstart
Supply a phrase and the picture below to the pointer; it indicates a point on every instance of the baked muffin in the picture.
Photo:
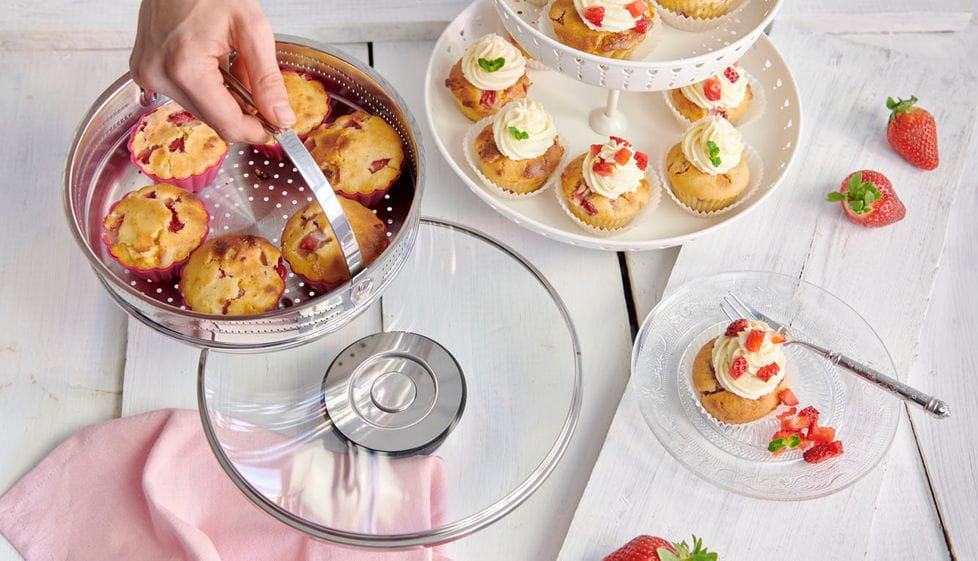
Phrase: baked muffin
(727, 94)
(313, 252)
(699, 9)
(233, 275)
(152, 231)
(490, 74)
(360, 154)
(170, 145)
(520, 149)
(708, 170)
(608, 28)
(738, 375)
(309, 102)
(606, 186)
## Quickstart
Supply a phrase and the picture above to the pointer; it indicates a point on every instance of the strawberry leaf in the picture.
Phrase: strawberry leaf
(835, 196)
(492, 65)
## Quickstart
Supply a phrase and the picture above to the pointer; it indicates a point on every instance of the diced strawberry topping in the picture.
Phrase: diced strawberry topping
(811, 415)
(754, 340)
(731, 74)
(595, 15)
(642, 25)
(738, 367)
(789, 413)
(767, 372)
(621, 141)
(736, 327)
(787, 397)
(636, 8)
(602, 167)
(595, 148)
(280, 268)
(180, 117)
(821, 452)
(176, 145)
(641, 160)
(777, 338)
(711, 89)
(821, 434)
(378, 165)
(488, 98)
(622, 156)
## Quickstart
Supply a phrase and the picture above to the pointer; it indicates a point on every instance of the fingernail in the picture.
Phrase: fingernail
(284, 114)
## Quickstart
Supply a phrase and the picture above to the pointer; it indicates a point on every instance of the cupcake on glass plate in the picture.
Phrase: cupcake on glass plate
(169, 145)
(518, 150)
(152, 231)
(233, 275)
(608, 28)
(707, 170)
(739, 375)
(311, 248)
(604, 188)
(309, 102)
(490, 74)
(727, 94)
(360, 154)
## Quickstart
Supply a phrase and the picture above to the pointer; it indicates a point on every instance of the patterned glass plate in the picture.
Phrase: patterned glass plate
(735, 457)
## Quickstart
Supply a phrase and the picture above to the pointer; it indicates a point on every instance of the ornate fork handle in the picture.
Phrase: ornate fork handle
(931, 404)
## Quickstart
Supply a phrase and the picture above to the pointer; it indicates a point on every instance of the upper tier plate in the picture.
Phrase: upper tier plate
(680, 58)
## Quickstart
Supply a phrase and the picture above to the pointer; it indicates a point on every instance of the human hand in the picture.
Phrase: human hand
(180, 45)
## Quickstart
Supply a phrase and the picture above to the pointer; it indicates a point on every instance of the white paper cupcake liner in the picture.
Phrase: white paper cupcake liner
(545, 26)
(655, 199)
(755, 110)
(695, 25)
(754, 164)
(471, 158)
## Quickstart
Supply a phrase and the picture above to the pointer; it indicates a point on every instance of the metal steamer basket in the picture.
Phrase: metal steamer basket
(251, 194)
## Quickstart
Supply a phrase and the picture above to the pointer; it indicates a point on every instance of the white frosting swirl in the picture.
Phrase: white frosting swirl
(525, 116)
(616, 15)
(490, 48)
(731, 93)
(727, 139)
(727, 349)
(622, 179)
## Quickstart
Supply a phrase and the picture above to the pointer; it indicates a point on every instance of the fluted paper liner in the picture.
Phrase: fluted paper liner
(754, 164)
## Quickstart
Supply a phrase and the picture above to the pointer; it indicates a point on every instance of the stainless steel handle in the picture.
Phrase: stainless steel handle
(931, 404)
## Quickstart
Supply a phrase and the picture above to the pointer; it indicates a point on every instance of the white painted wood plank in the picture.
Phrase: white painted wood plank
(589, 283)
(644, 490)
(61, 338)
(872, 16)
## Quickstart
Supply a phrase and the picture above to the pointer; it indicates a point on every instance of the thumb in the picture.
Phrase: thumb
(256, 52)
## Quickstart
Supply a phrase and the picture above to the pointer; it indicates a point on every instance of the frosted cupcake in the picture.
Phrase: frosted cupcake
(609, 28)
(698, 9)
(309, 102)
(606, 186)
(727, 94)
(169, 145)
(707, 170)
(490, 74)
(233, 275)
(738, 376)
(520, 149)
(152, 231)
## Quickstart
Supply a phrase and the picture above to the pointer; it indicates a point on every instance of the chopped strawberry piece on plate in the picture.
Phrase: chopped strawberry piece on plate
(821, 452)
(789, 413)
(787, 397)
(821, 435)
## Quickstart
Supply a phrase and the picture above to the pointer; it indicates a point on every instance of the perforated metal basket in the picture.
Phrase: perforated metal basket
(251, 194)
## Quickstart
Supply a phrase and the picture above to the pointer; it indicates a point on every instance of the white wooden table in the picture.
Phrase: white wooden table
(69, 357)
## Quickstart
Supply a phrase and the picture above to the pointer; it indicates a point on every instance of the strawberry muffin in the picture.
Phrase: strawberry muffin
(520, 149)
(708, 170)
(727, 94)
(169, 145)
(152, 231)
(738, 375)
(360, 154)
(314, 253)
(607, 186)
(491, 73)
(698, 9)
(608, 28)
(309, 102)
(233, 275)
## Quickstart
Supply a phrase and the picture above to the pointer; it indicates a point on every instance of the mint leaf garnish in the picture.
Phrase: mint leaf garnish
(714, 152)
(492, 65)
(776, 444)
(518, 134)
(794, 440)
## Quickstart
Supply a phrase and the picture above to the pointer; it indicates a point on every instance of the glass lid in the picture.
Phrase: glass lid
(432, 415)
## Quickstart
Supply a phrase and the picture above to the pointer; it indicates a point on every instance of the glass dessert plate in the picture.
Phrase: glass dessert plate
(427, 418)
(735, 457)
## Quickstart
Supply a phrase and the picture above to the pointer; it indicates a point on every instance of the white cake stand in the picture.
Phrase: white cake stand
(647, 122)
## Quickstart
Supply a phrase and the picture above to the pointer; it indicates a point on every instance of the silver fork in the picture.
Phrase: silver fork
(736, 308)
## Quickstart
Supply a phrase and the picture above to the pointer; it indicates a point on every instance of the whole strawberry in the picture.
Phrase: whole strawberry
(651, 548)
(868, 199)
(912, 132)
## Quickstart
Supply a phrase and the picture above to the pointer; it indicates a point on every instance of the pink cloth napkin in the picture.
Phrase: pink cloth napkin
(148, 487)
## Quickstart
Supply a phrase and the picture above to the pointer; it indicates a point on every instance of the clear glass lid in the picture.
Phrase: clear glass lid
(432, 415)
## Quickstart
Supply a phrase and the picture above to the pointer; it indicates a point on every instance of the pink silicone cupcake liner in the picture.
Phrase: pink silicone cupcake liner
(368, 200)
(274, 151)
(194, 183)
